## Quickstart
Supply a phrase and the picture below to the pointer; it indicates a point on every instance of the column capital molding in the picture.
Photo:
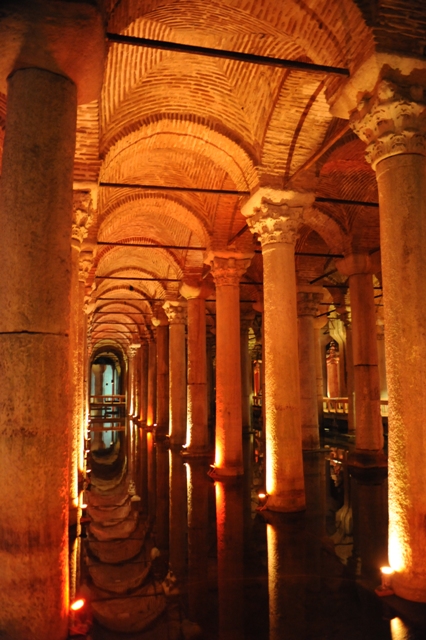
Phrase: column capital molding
(228, 267)
(82, 215)
(132, 350)
(307, 302)
(176, 311)
(391, 121)
(276, 215)
(85, 264)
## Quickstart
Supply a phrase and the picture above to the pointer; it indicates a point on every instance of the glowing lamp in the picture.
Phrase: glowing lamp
(385, 588)
(263, 497)
(78, 604)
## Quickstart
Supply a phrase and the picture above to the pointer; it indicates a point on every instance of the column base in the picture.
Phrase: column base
(223, 473)
(404, 586)
(368, 465)
(196, 452)
(289, 503)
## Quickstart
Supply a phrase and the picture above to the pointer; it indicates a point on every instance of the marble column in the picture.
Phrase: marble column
(391, 119)
(177, 313)
(162, 393)
(35, 222)
(307, 308)
(132, 351)
(227, 269)
(197, 442)
(246, 374)
(275, 217)
(319, 366)
(151, 408)
(144, 382)
(368, 421)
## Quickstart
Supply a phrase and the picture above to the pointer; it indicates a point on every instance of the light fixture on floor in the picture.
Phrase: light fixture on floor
(385, 589)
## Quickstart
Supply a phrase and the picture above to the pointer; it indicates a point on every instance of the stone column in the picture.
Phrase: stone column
(162, 414)
(132, 350)
(380, 328)
(275, 216)
(151, 408)
(307, 308)
(197, 432)
(227, 270)
(319, 356)
(211, 380)
(35, 238)
(333, 377)
(176, 314)
(392, 122)
(368, 426)
(144, 382)
(246, 374)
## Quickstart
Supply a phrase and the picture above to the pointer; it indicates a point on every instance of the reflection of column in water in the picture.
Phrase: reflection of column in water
(230, 549)
(199, 486)
(370, 525)
(130, 450)
(286, 576)
(162, 493)
(150, 454)
(248, 481)
(177, 516)
(316, 510)
(143, 460)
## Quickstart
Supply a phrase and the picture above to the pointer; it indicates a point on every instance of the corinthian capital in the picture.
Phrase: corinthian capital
(85, 264)
(276, 215)
(132, 350)
(176, 311)
(227, 268)
(82, 214)
(307, 303)
(392, 121)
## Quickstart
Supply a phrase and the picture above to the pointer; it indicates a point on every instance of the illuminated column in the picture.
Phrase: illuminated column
(307, 308)
(246, 374)
(368, 421)
(162, 394)
(392, 122)
(132, 350)
(80, 222)
(211, 379)
(227, 270)
(197, 433)
(176, 314)
(144, 382)
(86, 261)
(275, 216)
(380, 328)
(152, 383)
(131, 380)
(319, 356)
(35, 286)
(333, 377)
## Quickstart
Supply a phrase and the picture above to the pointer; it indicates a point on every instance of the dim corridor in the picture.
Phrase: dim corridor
(200, 560)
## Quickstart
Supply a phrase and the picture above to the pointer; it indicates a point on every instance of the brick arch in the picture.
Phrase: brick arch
(333, 231)
(204, 143)
(161, 261)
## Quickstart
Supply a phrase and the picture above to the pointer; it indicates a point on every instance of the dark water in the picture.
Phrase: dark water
(241, 573)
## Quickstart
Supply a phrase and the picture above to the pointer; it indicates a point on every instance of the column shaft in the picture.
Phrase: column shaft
(177, 373)
(35, 219)
(197, 437)
(162, 419)
(152, 384)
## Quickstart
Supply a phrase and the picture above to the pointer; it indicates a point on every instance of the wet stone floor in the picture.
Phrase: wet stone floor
(208, 564)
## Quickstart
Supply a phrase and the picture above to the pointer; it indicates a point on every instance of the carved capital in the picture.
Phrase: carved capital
(227, 271)
(176, 311)
(82, 215)
(132, 350)
(276, 215)
(307, 303)
(392, 121)
(85, 264)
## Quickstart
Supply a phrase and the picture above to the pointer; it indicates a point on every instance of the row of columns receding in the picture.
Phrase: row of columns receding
(35, 218)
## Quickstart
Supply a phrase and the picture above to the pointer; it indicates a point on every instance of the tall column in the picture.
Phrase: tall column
(82, 215)
(131, 379)
(368, 427)
(132, 350)
(319, 356)
(152, 383)
(227, 270)
(380, 328)
(307, 307)
(392, 122)
(162, 394)
(176, 314)
(275, 216)
(197, 441)
(35, 222)
(246, 374)
(211, 380)
(144, 382)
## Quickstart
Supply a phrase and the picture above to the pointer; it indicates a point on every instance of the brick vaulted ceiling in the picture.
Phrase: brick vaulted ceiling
(178, 119)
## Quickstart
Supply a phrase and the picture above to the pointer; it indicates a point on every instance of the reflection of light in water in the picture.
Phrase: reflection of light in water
(399, 631)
